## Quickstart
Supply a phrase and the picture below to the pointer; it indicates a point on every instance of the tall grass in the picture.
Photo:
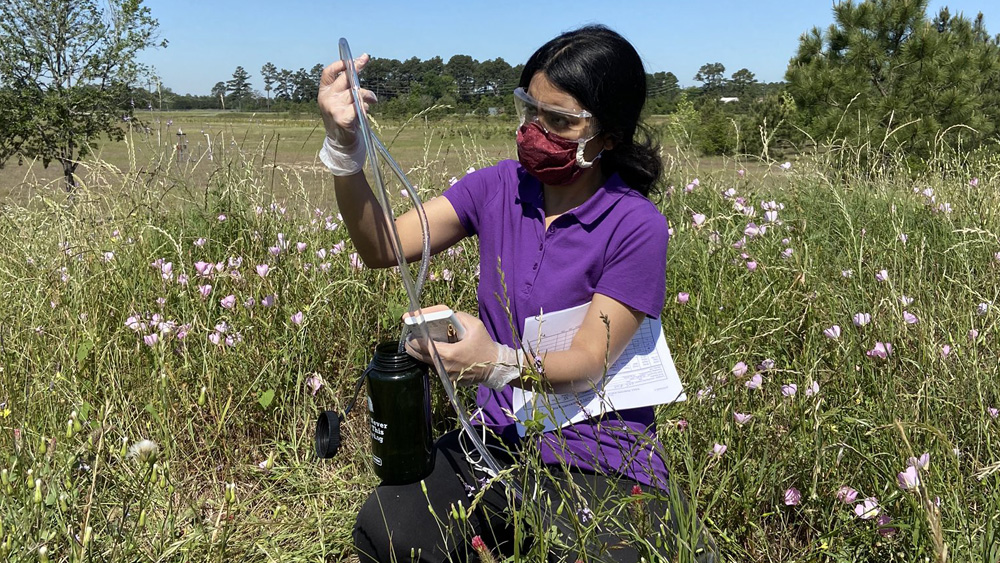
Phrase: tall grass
(228, 395)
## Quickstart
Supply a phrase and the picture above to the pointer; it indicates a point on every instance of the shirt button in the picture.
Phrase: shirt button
(535, 267)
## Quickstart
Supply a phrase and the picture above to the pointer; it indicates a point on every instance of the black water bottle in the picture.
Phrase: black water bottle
(399, 406)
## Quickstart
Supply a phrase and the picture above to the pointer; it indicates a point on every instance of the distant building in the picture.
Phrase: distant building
(729, 100)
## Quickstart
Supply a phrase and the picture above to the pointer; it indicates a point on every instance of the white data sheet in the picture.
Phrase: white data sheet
(643, 376)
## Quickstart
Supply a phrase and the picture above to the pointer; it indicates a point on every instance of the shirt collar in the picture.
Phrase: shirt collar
(529, 192)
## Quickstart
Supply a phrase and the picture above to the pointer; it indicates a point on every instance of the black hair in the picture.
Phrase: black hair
(603, 71)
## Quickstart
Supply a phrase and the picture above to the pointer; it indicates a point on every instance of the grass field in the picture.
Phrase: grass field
(829, 326)
(286, 145)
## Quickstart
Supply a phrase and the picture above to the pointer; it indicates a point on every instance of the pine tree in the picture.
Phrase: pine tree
(269, 73)
(712, 76)
(239, 87)
(219, 91)
(883, 77)
(744, 84)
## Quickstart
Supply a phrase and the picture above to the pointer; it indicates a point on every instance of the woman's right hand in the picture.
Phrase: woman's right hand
(336, 103)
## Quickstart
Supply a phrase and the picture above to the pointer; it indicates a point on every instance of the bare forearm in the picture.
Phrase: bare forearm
(364, 220)
(605, 333)
(566, 371)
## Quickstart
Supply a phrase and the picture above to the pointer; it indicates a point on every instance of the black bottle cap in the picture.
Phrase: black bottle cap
(328, 434)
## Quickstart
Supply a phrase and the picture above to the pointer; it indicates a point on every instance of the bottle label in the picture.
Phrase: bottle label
(378, 431)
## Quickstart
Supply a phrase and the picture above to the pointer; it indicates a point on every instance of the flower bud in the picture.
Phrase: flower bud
(142, 519)
(43, 446)
(4, 477)
(87, 533)
(201, 396)
(124, 450)
(43, 554)
(69, 428)
(38, 491)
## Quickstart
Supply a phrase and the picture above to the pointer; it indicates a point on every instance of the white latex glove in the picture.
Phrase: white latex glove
(476, 359)
(343, 153)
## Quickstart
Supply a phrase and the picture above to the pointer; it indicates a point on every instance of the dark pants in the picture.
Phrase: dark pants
(433, 521)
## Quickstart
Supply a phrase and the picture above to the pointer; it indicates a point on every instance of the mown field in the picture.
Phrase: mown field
(829, 326)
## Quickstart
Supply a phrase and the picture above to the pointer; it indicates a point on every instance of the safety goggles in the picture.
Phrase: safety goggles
(573, 125)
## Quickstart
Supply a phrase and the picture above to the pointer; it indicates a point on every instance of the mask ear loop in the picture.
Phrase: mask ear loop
(580, 160)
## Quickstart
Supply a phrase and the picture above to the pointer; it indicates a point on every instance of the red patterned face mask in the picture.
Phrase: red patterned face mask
(555, 161)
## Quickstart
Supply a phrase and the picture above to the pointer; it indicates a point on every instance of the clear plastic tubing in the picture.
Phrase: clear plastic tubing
(376, 152)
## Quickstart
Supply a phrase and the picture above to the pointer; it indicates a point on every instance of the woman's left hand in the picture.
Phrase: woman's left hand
(468, 361)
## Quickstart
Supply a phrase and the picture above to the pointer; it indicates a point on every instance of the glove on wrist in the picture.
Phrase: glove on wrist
(507, 367)
(343, 160)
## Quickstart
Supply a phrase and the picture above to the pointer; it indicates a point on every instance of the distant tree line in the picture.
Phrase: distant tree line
(883, 79)
(463, 84)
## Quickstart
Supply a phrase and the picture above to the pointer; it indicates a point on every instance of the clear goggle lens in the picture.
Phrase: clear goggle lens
(573, 125)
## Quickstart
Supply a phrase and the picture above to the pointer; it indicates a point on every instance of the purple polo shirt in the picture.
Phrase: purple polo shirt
(614, 244)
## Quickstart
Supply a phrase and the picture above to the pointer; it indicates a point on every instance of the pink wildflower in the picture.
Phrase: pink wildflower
(881, 350)
(847, 495)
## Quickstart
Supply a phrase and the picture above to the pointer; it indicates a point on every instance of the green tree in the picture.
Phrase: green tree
(743, 84)
(494, 77)
(269, 73)
(712, 76)
(663, 92)
(434, 65)
(463, 69)
(68, 70)
(378, 75)
(239, 87)
(219, 91)
(306, 84)
(885, 77)
(285, 85)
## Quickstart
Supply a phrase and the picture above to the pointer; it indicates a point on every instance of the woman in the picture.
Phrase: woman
(565, 225)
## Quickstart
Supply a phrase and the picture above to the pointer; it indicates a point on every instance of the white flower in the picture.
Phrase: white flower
(143, 450)
(867, 509)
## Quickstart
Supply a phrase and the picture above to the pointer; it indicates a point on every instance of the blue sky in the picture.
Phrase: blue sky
(209, 38)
